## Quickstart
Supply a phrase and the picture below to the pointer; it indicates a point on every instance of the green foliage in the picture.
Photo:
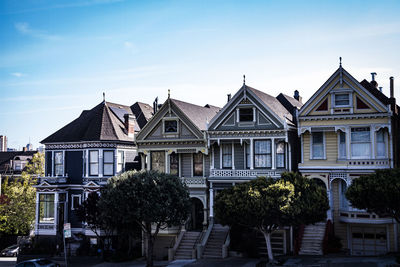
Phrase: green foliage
(378, 192)
(266, 204)
(18, 201)
(147, 199)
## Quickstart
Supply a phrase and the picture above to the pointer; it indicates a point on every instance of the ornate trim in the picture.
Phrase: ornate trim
(87, 145)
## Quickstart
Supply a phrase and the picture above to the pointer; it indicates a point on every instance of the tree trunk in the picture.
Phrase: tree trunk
(267, 237)
(150, 244)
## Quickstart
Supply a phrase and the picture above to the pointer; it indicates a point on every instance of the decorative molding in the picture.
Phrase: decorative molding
(87, 145)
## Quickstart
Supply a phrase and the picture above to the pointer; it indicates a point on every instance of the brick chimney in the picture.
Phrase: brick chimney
(392, 99)
(297, 96)
(129, 124)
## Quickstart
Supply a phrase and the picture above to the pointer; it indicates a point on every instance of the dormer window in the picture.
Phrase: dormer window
(342, 100)
(170, 126)
(245, 114)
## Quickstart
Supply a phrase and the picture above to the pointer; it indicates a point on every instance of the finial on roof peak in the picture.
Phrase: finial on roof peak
(104, 97)
(340, 61)
(169, 92)
(244, 79)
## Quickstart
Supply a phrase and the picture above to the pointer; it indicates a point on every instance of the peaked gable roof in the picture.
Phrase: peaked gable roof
(143, 113)
(104, 122)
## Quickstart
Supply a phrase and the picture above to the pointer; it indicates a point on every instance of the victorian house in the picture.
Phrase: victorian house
(254, 135)
(348, 129)
(79, 158)
(174, 141)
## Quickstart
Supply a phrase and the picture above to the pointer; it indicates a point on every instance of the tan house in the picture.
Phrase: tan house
(348, 129)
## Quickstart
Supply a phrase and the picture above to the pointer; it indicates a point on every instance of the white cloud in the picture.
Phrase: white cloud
(17, 74)
(25, 29)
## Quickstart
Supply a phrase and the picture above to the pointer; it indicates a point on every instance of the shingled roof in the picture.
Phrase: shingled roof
(273, 104)
(143, 113)
(375, 92)
(104, 122)
(197, 114)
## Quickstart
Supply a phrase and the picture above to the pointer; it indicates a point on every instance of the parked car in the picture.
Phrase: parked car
(38, 263)
(11, 251)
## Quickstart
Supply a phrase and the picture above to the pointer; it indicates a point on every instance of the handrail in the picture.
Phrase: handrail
(226, 245)
(200, 247)
(172, 251)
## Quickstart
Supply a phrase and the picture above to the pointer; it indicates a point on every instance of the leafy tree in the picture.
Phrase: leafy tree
(17, 206)
(150, 200)
(378, 192)
(267, 204)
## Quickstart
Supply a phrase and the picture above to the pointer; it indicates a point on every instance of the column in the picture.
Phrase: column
(87, 163)
(211, 202)
(212, 158)
(56, 219)
(233, 155)
(329, 214)
(251, 154)
(100, 162)
(254, 114)
(148, 161)
(37, 212)
(166, 162)
(116, 161)
(52, 163)
(273, 150)
(63, 162)
(143, 161)
(348, 142)
(372, 130)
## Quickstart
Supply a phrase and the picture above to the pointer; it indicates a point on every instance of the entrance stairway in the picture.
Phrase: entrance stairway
(187, 245)
(213, 248)
(277, 244)
(311, 243)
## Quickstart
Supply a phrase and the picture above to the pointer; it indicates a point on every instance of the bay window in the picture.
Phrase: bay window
(158, 161)
(342, 145)
(226, 156)
(108, 163)
(262, 154)
(280, 155)
(380, 144)
(94, 162)
(317, 145)
(198, 164)
(46, 208)
(360, 142)
(58, 163)
(174, 164)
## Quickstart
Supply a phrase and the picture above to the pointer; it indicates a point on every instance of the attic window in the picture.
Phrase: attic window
(170, 126)
(323, 106)
(342, 100)
(361, 104)
(246, 114)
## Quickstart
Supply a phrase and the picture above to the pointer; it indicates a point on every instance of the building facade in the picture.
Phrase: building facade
(348, 129)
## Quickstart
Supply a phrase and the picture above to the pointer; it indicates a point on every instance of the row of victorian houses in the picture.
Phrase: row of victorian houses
(346, 129)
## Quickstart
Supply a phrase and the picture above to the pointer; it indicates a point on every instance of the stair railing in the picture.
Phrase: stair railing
(200, 247)
(225, 246)
(172, 251)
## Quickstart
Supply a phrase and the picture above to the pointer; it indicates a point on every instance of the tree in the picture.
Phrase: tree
(267, 204)
(17, 207)
(378, 193)
(150, 200)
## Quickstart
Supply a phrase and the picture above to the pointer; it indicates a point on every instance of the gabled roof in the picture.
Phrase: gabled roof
(143, 113)
(197, 114)
(104, 122)
(293, 101)
(375, 92)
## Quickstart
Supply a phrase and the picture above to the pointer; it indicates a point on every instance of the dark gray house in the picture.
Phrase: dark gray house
(79, 158)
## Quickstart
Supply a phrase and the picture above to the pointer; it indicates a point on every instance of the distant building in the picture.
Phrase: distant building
(29, 147)
(3, 143)
(14, 162)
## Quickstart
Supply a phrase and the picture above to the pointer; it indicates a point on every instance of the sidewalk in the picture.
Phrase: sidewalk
(349, 261)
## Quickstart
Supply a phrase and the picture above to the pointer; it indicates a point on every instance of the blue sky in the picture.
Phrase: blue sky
(58, 57)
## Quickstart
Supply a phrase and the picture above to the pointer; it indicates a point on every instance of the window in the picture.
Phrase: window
(76, 201)
(198, 164)
(46, 205)
(248, 159)
(58, 164)
(120, 163)
(158, 161)
(317, 145)
(344, 203)
(174, 164)
(245, 114)
(360, 142)
(94, 162)
(226, 156)
(262, 154)
(380, 144)
(342, 145)
(342, 100)
(280, 155)
(108, 163)
(170, 126)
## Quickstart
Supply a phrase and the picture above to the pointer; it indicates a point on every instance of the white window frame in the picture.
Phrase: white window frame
(62, 163)
(222, 155)
(203, 171)
(271, 154)
(345, 145)
(109, 163)
(252, 112)
(344, 93)
(370, 144)
(170, 119)
(323, 146)
(98, 163)
(284, 154)
(384, 143)
(120, 161)
(72, 201)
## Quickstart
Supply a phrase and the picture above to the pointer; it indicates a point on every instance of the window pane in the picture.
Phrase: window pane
(262, 161)
(246, 114)
(94, 156)
(280, 160)
(380, 136)
(226, 155)
(198, 164)
(108, 169)
(158, 161)
(342, 100)
(174, 164)
(361, 150)
(280, 147)
(58, 170)
(58, 157)
(46, 208)
(380, 144)
(361, 134)
(317, 145)
(108, 156)
(342, 145)
(317, 138)
(262, 147)
(94, 168)
(76, 202)
(247, 156)
(170, 126)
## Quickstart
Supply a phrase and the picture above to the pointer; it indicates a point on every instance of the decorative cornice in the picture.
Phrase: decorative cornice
(170, 142)
(87, 145)
(344, 116)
